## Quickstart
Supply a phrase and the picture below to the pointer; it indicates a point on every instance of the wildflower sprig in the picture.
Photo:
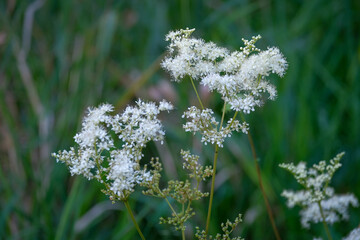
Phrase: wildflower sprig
(238, 76)
(318, 200)
(315, 180)
(96, 156)
(227, 229)
(182, 192)
(117, 168)
(204, 122)
(109, 148)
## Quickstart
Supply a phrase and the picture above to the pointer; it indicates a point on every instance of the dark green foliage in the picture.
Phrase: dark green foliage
(82, 53)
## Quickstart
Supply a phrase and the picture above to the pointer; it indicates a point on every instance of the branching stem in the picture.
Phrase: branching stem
(172, 209)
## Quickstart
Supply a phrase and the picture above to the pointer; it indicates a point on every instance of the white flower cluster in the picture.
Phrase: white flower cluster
(353, 235)
(204, 122)
(96, 155)
(334, 208)
(315, 180)
(138, 125)
(238, 76)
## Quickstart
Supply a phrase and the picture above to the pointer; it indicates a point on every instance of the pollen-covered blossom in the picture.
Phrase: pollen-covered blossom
(91, 141)
(191, 57)
(315, 181)
(124, 173)
(353, 235)
(138, 125)
(204, 122)
(117, 167)
(239, 76)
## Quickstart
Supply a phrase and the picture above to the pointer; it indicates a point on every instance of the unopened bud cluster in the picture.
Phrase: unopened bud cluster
(228, 227)
(182, 192)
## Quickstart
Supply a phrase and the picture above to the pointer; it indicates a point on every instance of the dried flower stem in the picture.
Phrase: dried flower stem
(133, 219)
(323, 221)
(268, 208)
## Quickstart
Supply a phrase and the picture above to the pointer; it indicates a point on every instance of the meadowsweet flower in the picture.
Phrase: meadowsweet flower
(139, 125)
(335, 209)
(353, 235)
(316, 179)
(190, 56)
(317, 192)
(91, 140)
(238, 76)
(204, 122)
(165, 106)
(97, 157)
(124, 173)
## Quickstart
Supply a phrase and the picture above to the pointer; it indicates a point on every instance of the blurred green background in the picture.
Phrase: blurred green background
(59, 57)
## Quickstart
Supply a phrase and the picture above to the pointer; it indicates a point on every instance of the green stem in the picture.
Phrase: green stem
(172, 209)
(133, 219)
(174, 212)
(222, 116)
(324, 222)
(212, 189)
(268, 208)
(197, 94)
(233, 119)
(213, 174)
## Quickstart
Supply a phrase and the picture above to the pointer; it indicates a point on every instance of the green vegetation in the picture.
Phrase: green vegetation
(59, 57)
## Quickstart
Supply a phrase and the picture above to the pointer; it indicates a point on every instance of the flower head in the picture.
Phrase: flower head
(317, 192)
(204, 122)
(96, 155)
(334, 208)
(239, 76)
(353, 235)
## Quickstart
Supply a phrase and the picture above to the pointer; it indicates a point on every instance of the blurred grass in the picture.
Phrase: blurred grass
(75, 54)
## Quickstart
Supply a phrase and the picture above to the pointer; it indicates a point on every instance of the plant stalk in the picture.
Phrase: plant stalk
(324, 222)
(174, 212)
(197, 94)
(133, 219)
(213, 174)
(268, 208)
(212, 189)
